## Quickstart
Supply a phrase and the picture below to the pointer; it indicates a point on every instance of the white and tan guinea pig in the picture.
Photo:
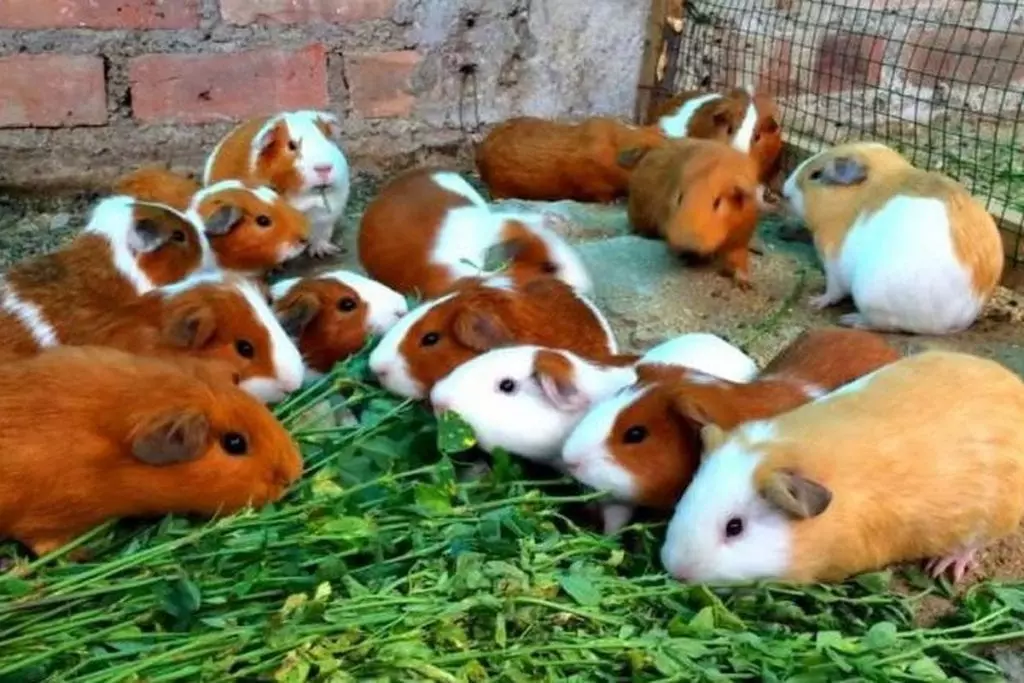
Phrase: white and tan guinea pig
(643, 445)
(332, 315)
(912, 248)
(551, 389)
(438, 336)
(428, 228)
(702, 198)
(296, 153)
(920, 460)
(251, 228)
(126, 249)
(94, 434)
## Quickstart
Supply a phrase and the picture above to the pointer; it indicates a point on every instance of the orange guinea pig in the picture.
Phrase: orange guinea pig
(433, 339)
(702, 197)
(428, 228)
(333, 314)
(138, 437)
(644, 444)
(251, 228)
(532, 158)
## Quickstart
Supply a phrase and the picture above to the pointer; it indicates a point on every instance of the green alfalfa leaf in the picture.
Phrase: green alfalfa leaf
(432, 500)
(926, 668)
(882, 635)
(581, 589)
(454, 435)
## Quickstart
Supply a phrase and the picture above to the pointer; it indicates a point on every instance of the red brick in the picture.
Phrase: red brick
(102, 14)
(963, 56)
(190, 88)
(50, 91)
(242, 12)
(379, 83)
(847, 60)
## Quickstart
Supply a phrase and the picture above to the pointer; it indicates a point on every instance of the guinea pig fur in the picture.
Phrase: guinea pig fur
(251, 228)
(915, 251)
(428, 228)
(702, 198)
(137, 436)
(126, 249)
(333, 314)
(532, 158)
(295, 153)
(643, 445)
(921, 459)
(436, 337)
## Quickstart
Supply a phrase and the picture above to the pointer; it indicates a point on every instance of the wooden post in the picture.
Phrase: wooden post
(653, 46)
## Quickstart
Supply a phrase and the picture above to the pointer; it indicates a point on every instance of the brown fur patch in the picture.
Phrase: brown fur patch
(275, 165)
(158, 184)
(181, 251)
(52, 500)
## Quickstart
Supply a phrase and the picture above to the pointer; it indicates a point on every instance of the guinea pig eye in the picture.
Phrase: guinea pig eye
(816, 175)
(263, 221)
(734, 527)
(292, 146)
(347, 305)
(635, 434)
(430, 338)
(730, 130)
(234, 443)
(757, 137)
(718, 203)
(178, 236)
(245, 348)
(549, 268)
(507, 386)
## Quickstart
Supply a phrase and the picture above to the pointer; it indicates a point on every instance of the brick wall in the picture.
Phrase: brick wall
(93, 87)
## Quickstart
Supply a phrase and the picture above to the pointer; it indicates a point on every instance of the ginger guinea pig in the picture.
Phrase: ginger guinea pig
(922, 459)
(135, 437)
(295, 153)
(912, 248)
(532, 158)
(333, 314)
(428, 228)
(438, 336)
(251, 228)
(702, 198)
(643, 445)
(551, 389)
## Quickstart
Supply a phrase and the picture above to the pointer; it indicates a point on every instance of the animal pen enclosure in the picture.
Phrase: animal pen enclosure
(940, 80)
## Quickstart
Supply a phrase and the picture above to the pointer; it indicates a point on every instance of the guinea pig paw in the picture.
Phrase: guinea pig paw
(961, 563)
(322, 249)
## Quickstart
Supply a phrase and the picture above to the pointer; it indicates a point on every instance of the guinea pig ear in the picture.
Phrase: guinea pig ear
(497, 255)
(329, 124)
(628, 158)
(712, 437)
(480, 330)
(267, 137)
(170, 438)
(146, 235)
(795, 495)
(190, 327)
(296, 311)
(843, 172)
(224, 220)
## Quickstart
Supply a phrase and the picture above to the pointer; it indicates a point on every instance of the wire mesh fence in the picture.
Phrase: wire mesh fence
(940, 80)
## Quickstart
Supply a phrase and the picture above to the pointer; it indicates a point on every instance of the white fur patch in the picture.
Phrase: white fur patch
(113, 219)
(856, 385)
(210, 190)
(706, 353)
(677, 125)
(266, 194)
(288, 364)
(462, 240)
(456, 184)
(387, 361)
(743, 138)
(791, 190)
(385, 306)
(613, 344)
(29, 315)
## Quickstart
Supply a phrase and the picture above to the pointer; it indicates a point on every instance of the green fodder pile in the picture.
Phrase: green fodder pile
(384, 564)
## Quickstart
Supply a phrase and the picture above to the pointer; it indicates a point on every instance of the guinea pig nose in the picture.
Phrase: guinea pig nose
(323, 170)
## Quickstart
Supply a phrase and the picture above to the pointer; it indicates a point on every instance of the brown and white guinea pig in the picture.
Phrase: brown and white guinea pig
(295, 153)
(251, 228)
(428, 228)
(138, 437)
(702, 198)
(333, 314)
(643, 445)
(127, 248)
(915, 251)
(920, 460)
(532, 158)
(747, 120)
(438, 336)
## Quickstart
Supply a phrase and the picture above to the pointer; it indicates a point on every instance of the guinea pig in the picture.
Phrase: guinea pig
(551, 389)
(136, 437)
(912, 248)
(127, 248)
(702, 198)
(747, 120)
(428, 228)
(532, 158)
(251, 228)
(922, 459)
(438, 336)
(643, 445)
(331, 315)
(296, 154)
